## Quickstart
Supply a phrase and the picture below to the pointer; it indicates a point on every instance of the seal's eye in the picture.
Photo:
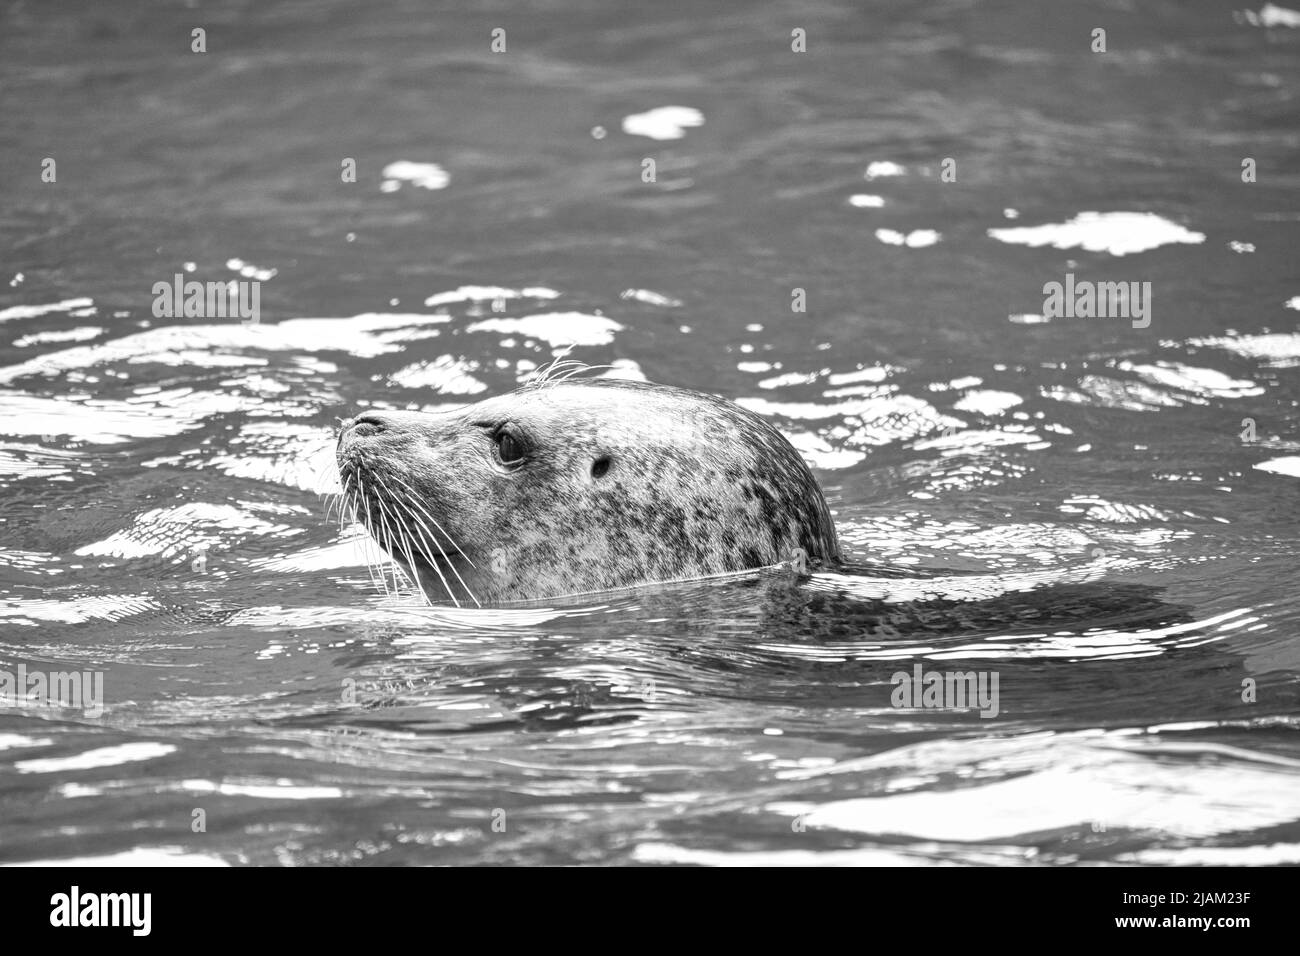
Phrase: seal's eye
(600, 466)
(509, 448)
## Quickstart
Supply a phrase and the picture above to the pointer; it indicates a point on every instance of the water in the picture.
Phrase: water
(1103, 512)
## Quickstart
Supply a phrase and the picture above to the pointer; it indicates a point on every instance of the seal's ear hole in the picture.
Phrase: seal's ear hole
(600, 466)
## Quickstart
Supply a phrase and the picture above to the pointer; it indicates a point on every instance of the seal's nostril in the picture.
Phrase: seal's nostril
(367, 423)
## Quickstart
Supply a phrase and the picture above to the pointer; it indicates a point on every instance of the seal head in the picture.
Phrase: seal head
(578, 486)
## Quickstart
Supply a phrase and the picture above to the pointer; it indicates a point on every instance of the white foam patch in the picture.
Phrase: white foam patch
(865, 422)
(862, 856)
(428, 623)
(93, 759)
(489, 293)
(1093, 644)
(1095, 508)
(883, 168)
(32, 311)
(184, 529)
(789, 378)
(1281, 466)
(1274, 854)
(102, 607)
(446, 374)
(1015, 547)
(250, 271)
(1271, 15)
(625, 370)
(865, 408)
(873, 373)
(650, 298)
(138, 856)
(1276, 349)
(987, 402)
(79, 334)
(557, 328)
(213, 346)
(420, 175)
(819, 453)
(34, 461)
(19, 742)
(281, 790)
(870, 391)
(296, 456)
(109, 422)
(1058, 783)
(974, 440)
(972, 587)
(1205, 382)
(665, 122)
(916, 239)
(866, 201)
(1162, 385)
(1119, 233)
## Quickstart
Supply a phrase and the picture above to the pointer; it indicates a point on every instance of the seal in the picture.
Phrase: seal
(571, 486)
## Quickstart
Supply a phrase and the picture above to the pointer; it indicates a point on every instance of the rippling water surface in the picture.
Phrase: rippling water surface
(1103, 513)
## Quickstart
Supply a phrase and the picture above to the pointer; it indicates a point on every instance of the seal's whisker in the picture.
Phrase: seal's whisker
(410, 500)
(541, 373)
(581, 368)
(378, 564)
(414, 499)
(396, 500)
(428, 552)
(404, 540)
(354, 512)
(546, 374)
(392, 565)
(421, 528)
(406, 544)
(347, 509)
(561, 368)
(375, 558)
(347, 504)
(335, 504)
(443, 551)
(421, 531)
(389, 540)
(376, 568)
